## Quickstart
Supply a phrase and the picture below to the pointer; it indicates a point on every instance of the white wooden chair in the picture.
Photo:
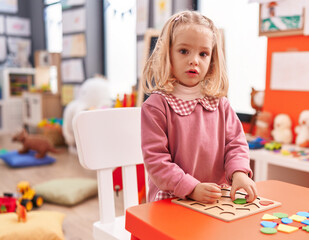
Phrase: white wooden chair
(107, 139)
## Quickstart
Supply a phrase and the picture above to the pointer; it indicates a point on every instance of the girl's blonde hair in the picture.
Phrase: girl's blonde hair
(157, 72)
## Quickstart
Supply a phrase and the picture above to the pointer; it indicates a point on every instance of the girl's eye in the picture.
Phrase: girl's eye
(204, 54)
(183, 51)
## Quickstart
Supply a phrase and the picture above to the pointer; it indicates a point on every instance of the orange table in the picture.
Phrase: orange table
(166, 220)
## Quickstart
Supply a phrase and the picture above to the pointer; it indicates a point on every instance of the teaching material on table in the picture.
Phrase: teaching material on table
(225, 209)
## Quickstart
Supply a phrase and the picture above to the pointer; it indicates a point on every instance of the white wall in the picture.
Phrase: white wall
(245, 50)
(120, 45)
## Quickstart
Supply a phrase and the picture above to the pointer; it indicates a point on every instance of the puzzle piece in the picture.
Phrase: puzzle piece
(281, 215)
(298, 218)
(268, 230)
(227, 210)
(268, 224)
(269, 217)
(286, 228)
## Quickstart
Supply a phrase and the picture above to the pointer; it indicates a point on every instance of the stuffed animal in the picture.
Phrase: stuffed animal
(263, 125)
(257, 102)
(302, 130)
(94, 93)
(38, 143)
(282, 131)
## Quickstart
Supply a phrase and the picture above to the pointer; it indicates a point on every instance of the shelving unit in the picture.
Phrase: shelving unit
(13, 82)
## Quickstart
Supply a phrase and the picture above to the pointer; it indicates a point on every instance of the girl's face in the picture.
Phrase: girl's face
(191, 53)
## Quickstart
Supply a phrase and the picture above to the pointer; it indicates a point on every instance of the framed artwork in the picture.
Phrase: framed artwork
(150, 39)
(281, 18)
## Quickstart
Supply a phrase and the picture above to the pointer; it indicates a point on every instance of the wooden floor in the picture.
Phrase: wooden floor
(79, 219)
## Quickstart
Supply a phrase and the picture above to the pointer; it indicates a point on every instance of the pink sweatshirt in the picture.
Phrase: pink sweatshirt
(182, 151)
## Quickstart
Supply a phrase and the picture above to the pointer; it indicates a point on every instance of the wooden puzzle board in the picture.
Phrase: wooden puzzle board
(225, 209)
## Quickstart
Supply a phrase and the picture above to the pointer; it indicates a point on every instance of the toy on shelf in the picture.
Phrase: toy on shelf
(257, 102)
(302, 130)
(257, 143)
(263, 125)
(272, 146)
(282, 131)
(38, 143)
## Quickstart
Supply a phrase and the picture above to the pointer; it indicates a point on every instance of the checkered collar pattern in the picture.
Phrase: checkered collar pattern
(185, 108)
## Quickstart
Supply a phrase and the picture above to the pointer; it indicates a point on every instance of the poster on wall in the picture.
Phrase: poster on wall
(141, 16)
(72, 70)
(1, 24)
(70, 3)
(289, 71)
(2, 48)
(74, 21)
(17, 26)
(19, 45)
(280, 18)
(162, 11)
(74, 46)
(9, 6)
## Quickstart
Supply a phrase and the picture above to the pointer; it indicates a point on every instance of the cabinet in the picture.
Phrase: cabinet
(13, 81)
(37, 106)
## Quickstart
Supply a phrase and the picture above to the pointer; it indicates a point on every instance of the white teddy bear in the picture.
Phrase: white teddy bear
(282, 132)
(302, 130)
(94, 93)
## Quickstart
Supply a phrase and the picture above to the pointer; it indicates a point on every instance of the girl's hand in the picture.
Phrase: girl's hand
(241, 180)
(206, 192)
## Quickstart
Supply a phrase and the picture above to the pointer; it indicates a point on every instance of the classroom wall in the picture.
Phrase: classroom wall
(289, 102)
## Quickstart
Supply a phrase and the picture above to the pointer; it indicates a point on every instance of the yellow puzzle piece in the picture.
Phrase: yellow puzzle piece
(298, 218)
(287, 229)
(269, 217)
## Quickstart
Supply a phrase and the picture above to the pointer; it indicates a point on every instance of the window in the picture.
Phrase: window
(245, 50)
(53, 25)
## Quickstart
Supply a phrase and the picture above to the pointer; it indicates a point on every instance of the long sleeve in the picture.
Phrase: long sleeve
(163, 171)
(236, 146)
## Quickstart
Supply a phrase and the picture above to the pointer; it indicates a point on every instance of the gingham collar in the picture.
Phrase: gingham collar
(185, 108)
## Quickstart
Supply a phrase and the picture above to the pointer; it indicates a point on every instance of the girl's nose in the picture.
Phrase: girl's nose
(193, 61)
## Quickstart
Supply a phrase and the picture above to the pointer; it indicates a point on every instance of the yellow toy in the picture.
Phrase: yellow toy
(29, 199)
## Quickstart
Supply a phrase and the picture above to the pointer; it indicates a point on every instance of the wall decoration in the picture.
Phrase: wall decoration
(162, 11)
(289, 71)
(74, 46)
(1, 24)
(72, 70)
(281, 18)
(17, 26)
(70, 3)
(142, 7)
(9, 6)
(74, 20)
(2, 48)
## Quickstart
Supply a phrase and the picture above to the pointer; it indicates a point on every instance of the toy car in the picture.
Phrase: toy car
(272, 146)
(7, 204)
(29, 198)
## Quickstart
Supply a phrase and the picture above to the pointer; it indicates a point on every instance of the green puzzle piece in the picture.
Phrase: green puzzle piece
(240, 201)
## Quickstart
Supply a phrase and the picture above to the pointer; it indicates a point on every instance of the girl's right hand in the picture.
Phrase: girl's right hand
(206, 192)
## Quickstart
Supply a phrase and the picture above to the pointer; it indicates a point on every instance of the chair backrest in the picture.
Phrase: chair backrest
(106, 139)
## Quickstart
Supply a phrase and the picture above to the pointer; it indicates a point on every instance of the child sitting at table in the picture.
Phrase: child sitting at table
(192, 140)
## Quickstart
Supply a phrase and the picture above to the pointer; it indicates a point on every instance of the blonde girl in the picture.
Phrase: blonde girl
(192, 141)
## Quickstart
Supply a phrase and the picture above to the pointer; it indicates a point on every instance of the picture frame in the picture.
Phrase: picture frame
(150, 39)
(281, 18)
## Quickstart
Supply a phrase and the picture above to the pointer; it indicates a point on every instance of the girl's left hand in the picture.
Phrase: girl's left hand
(241, 180)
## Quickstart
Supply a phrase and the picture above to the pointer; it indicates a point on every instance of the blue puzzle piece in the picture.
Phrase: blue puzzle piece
(286, 220)
(268, 224)
(305, 222)
(304, 214)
